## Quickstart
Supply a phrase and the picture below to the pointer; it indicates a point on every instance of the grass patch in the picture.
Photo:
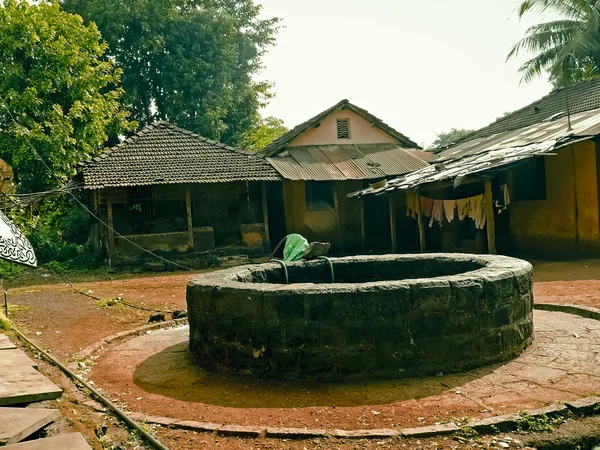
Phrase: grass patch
(4, 322)
(107, 302)
(542, 422)
(13, 309)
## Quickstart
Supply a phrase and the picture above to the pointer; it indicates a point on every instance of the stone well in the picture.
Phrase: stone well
(384, 317)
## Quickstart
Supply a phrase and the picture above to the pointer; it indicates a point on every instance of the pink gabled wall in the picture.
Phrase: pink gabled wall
(361, 132)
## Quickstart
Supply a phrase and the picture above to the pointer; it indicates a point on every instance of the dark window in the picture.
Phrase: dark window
(343, 129)
(530, 180)
(319, 196)
(141, 202)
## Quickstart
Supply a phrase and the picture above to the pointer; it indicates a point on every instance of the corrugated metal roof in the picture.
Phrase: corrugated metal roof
(345, 162)
(497, 152)
(579, 98)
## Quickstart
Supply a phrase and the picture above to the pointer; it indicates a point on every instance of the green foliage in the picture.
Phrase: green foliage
(542, 422)
(58, 232)
(10, 270)
(4, 322)
(58, 85)
(191, 62)
(567, 48)
(449, 137)
(263, 133)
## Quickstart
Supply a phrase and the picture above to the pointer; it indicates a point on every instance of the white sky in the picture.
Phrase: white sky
(421, 66)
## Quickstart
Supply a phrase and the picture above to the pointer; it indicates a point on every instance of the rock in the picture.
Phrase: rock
(160, 317)
(155, 266)
(179, 314)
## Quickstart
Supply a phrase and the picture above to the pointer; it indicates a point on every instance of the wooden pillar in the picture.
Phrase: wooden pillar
(489, 216)
(421, 222)
(362, 224)
(188, 208)
(339, 221)
(393, 223)
(265, 208)
(111, 233)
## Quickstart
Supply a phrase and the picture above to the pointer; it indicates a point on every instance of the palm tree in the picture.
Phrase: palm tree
(568, 48)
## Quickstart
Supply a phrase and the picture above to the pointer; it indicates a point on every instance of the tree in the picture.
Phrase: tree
(58, 92)
(191, 62)
(567, 48)
(449, 137)
(263, 133)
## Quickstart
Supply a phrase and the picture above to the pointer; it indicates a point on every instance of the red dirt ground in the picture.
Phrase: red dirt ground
(68, 322)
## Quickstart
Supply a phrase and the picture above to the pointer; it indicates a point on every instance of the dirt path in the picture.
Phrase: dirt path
(65, 322)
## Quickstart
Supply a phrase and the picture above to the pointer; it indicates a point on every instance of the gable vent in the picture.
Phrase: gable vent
(343, 129)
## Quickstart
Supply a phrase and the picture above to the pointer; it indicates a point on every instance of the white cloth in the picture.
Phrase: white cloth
(437, 212)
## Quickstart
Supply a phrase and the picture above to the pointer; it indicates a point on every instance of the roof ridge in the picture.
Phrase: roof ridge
(154, 127)
(281, 142)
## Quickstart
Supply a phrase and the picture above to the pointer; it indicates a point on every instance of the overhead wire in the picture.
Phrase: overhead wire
(85, 206)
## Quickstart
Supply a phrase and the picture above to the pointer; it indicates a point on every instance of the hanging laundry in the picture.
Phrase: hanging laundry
(449, 207)
(506, 195)
(463, 206)
(427, 206)
(477, 211)
(437, 212)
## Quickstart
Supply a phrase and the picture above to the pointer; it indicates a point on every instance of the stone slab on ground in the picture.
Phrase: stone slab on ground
(5, 343)
(15, 358)
(25, 385)
(73, 441)
(18, 423)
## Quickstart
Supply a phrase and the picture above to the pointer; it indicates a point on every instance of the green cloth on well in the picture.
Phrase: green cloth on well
(294, 247)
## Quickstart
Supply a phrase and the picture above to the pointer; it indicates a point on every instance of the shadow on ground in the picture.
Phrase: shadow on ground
(172, 374)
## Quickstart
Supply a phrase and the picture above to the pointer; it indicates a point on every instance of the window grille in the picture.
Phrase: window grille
(141, 201)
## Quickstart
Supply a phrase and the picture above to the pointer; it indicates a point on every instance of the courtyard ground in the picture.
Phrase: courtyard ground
(65, 322)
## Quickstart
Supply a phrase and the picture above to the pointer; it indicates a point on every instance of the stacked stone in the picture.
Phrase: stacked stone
(385, 317)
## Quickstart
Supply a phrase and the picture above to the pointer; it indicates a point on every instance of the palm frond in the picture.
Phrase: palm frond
(575, 9)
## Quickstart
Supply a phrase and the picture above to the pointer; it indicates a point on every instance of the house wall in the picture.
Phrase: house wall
(567, 221)
(323, 225)
(361, 132)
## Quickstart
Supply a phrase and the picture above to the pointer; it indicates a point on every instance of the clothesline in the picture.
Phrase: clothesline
(472, 207)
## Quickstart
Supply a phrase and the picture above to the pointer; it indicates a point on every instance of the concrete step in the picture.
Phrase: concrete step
(15, 358)
(74, 441)
(18, 423)
(24, 384)
(5, 343)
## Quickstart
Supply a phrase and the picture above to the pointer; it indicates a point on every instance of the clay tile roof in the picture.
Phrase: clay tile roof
(162, 153)
(279, 144)
(581, 97)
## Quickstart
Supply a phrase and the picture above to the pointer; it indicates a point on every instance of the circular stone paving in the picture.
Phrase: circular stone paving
(154, 374)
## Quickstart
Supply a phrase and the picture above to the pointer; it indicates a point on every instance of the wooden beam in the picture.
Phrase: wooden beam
(111, 233)
(265, 208)
(190, 222)
(393, 223)
(339, 220)
(421, 222)
(362, 224)
(489, 216)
